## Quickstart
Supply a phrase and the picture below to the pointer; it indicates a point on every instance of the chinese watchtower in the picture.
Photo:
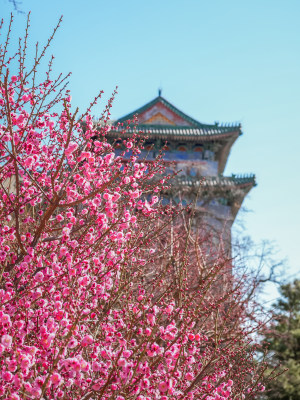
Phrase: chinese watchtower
(198, 152)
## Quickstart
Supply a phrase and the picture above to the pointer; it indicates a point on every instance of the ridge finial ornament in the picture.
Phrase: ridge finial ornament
(159, 92)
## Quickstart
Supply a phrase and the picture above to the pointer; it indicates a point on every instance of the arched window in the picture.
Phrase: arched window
(181, 148)
(198, 149)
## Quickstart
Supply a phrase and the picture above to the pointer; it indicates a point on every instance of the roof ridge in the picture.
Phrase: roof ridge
(139, 110)
(200, 126)
(193, 121)
(180, 113)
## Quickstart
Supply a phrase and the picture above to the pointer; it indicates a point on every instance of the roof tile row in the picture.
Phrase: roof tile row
(220, 181)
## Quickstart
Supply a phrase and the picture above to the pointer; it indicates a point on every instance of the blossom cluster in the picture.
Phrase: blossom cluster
(91, 305)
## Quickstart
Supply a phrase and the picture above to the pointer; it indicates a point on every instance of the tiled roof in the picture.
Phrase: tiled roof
(217, 181)
(166, 131)
(196, 129)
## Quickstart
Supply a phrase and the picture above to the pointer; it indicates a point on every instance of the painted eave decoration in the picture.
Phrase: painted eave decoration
(160, 119)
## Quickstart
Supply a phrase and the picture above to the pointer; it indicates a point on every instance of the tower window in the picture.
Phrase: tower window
(181, 148)
(198, 149)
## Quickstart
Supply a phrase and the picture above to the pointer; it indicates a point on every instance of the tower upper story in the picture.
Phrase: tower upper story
(198, 152)
(186, 139)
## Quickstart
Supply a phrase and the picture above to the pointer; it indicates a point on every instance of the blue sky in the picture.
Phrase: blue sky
(216, 60)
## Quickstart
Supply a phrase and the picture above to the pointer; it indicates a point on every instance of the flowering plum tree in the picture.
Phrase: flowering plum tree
(101, 297)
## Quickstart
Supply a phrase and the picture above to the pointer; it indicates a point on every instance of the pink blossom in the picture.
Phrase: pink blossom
(25, 362)
(25, 97)
(90, 288)
(63, 251)
(6, 340)
(72, 343)
(96, 366)
(39, 276)
(151, 318)
(56, 379)
(73, 146)
(122, 362)
(189, 376)
(12, 365)
(87, 340)
(7, 376)
(163, 386)
(59, 218)
(36, 392)
(5, 319)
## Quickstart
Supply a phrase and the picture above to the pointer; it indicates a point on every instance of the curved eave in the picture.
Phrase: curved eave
(234, 181)
(239, 198)
(223, 153)
(236, 188)
(227, 134)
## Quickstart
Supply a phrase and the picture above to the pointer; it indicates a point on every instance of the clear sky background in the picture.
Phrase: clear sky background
(216, 60)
